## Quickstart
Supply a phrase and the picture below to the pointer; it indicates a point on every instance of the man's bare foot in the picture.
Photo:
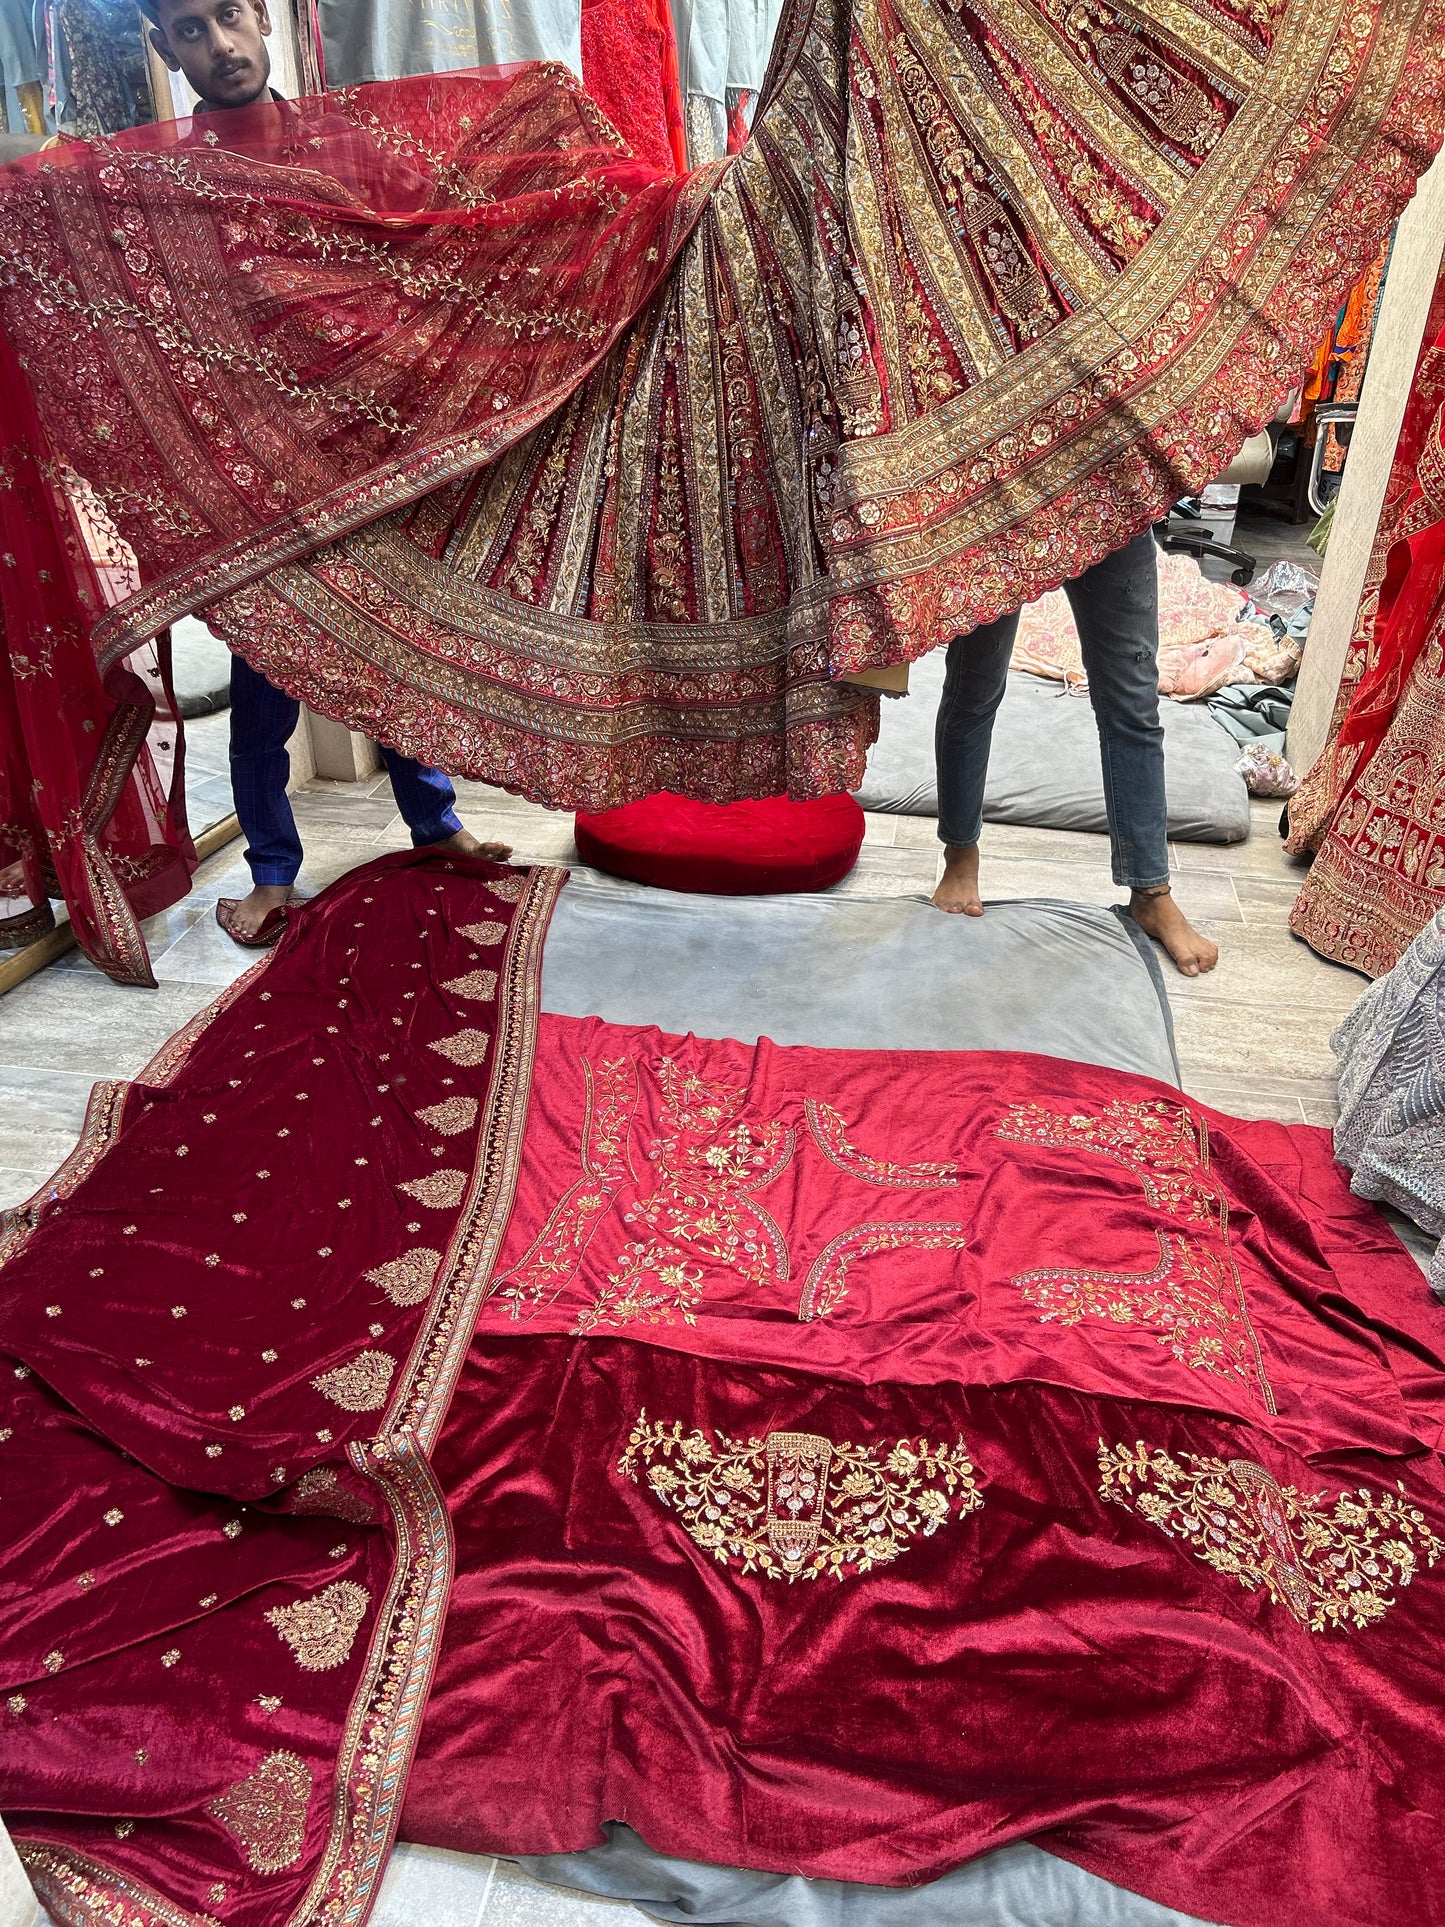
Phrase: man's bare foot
(252, 911)
(465, 844)
(957, 891)
(1159, 916)
(12, 880)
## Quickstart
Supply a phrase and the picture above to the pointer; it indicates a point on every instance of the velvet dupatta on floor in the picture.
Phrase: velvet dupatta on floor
(987, 288)
(420, 1411)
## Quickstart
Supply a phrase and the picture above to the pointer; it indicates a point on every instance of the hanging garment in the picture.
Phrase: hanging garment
(629, 67)
(388, 39)
(1373, 805)
(92, 766)
(723, 50)
(1391, 1129)
(481, 437)
(421, 1412)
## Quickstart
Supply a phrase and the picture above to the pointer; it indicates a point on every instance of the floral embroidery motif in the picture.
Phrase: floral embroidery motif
(1332, 1567)
(441, 1190)
(467, 1047)
(267, 1812)
(610, 1099)
(830, 1133)
(509, 889)
(451, 1116)
(708, 1161)
(826, 1285)
(1159, 1142)
(793, 1505)
(408, 1279)
(360, 1386)
(1191, 1298)
(481, 984)
(322, 1630)
(482, 934)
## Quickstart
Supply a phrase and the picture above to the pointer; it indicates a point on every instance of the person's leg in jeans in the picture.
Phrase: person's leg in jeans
(1116, 610)
(973, 688)
(428, 806)
(262, 723)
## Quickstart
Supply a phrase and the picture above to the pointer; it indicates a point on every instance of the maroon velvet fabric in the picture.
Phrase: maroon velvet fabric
(1056, 1266)
(726, 849)
(221, 1327)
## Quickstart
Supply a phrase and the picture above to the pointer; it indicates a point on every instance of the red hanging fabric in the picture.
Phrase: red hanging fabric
(625, 60)
(85, 812)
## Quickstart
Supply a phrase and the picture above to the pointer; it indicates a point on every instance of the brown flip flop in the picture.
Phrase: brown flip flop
(269, 932)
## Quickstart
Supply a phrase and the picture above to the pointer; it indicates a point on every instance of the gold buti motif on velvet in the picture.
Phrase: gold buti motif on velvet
(452, 1115)
(408, 1279)
(1335, 1565)
(439, 1190)
(360, 1386)
(322, 1630)
(476, 983)
(484, 935)
(465, 1047)
(795, 1505)
(267, 1812)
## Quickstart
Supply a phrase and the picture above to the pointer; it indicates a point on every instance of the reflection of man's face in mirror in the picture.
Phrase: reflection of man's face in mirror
(219, 45)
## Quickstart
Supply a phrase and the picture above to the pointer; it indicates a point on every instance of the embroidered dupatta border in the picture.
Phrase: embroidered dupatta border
(383, 1722)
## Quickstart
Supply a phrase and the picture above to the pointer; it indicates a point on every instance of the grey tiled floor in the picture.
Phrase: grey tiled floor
(1253, 1039)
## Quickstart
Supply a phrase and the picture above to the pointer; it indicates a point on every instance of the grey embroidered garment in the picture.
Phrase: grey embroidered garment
(1391, 1129)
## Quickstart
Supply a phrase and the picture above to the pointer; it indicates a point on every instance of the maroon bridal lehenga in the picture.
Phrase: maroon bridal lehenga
(481, 435)
(418, 1412)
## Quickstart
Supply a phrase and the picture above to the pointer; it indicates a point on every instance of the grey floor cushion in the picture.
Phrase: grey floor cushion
(1044, 766)
(862, 973)
(1015, 1886)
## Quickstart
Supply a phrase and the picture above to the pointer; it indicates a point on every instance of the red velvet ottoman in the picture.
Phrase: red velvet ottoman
(725, 849)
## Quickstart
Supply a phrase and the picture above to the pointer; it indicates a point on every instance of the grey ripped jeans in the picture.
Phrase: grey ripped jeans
(1116, 608)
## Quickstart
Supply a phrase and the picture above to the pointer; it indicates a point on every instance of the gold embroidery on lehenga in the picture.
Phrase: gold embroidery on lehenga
(509, 889)
(1158, 1141)
(360, 1386)
(476, 983)
(267, 1812)
(408, 1279)
(483, 934)
(441, 1190)
(320, 1491)
(452, 1116)
(322, 1630)
(826, 1285)
(830, 1133)
(1190, 1298)
(466, 1047)
(793, 1505)
(1332, 1566)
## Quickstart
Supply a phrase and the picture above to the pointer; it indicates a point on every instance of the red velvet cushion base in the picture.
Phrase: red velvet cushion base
(725, 849)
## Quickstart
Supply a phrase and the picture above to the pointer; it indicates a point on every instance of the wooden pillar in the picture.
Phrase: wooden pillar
(1409, 285)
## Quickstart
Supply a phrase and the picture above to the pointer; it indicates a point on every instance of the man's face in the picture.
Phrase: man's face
(220, 47)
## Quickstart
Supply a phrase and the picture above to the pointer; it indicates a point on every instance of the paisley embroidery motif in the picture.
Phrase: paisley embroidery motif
(440, 1190)
(320, 1491)
(467, 1047)
(830, 1133)
(267, 1812)
(360, 1386)
(509, 889)
(452, 1115)
(793, 1505)
(826, 1285)
(481, 984)
(322, 1630)
(1191, 1300)
(482, 934)
(408, 1279)
(1332, 1566)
